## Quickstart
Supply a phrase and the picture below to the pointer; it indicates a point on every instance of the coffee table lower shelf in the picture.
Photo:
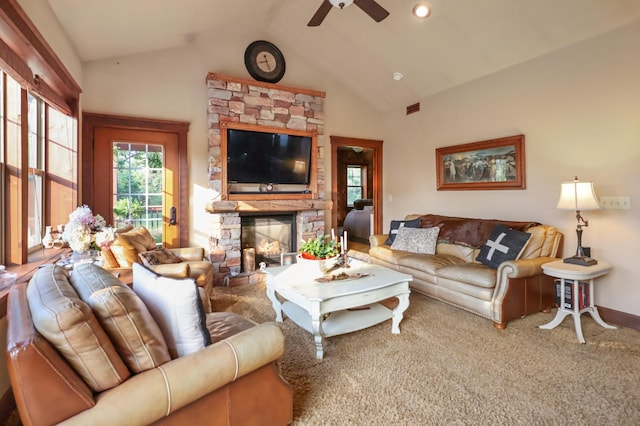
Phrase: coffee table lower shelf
(338, 322)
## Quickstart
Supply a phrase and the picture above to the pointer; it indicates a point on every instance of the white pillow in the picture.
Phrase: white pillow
(416, 240)
(176, 306)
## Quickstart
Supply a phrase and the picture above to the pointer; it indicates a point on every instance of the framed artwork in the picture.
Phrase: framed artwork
(492, 164)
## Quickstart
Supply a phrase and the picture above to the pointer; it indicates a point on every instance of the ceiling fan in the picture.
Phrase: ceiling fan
(370, 7)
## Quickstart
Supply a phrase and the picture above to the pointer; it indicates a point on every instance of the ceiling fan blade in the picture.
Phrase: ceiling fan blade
(320, 14)
(373, 9)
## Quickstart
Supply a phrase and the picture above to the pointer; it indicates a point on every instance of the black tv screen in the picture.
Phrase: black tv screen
(260, 157)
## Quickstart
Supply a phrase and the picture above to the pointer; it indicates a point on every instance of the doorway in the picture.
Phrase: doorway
(134, 172)
(366, 157)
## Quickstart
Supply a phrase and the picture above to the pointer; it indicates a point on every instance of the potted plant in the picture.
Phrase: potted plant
(319, 254)
(321, 247)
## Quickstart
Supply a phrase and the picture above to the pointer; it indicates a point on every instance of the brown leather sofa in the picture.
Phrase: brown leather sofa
(234, 381)
(454, 276)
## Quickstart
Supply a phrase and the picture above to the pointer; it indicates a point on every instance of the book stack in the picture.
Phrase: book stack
(583, 294)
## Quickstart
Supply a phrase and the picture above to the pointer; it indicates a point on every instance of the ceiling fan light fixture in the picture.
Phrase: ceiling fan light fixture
(341, 4)
(421, 11)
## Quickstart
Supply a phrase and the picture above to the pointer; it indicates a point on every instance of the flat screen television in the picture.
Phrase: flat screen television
(259, 157)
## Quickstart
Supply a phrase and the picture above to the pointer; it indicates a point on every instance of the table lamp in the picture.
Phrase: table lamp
(579, 196)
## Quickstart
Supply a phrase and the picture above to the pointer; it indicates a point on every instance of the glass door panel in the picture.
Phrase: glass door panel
(138, 186)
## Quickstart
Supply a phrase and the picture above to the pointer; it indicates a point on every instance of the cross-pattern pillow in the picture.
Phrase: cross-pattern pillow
(503, 244)
(416, 240)
(158, 256)
(397, 224)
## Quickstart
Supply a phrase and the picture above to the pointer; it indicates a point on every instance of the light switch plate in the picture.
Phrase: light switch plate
(619, 203)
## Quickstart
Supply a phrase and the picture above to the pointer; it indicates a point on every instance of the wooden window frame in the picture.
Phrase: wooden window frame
(363, 182)
(26, 56)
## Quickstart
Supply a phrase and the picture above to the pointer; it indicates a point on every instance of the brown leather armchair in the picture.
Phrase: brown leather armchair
(190, 263)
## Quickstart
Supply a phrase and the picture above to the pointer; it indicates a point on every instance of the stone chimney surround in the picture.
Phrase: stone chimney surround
(238, 100)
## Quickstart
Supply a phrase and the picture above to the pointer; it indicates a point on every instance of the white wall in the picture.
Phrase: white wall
(170, 84)
(579, 109)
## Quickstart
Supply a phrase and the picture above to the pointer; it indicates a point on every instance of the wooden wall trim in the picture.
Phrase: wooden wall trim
(619, 318)
(24, 39)
(313, 177)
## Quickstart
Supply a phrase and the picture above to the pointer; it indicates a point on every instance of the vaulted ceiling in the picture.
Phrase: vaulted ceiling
(461, 41)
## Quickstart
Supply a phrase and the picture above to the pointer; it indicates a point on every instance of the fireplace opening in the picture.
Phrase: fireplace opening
(270, 234)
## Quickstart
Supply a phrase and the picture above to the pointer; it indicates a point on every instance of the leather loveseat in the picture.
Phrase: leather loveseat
(104, 365)
(454, 276)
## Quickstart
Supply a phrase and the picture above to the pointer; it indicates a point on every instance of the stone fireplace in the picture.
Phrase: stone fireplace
(244, 101)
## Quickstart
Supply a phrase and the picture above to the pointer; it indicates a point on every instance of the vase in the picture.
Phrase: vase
(87, 256)
(316, 267)
(47, 240)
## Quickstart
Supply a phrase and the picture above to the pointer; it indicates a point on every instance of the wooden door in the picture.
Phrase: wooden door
(121, 158)
(163, 144)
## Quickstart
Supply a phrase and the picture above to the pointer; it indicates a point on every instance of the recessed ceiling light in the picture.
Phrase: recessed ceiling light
(397, 76)
(421, 11)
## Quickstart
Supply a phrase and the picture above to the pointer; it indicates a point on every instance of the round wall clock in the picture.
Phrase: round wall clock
(264, 61)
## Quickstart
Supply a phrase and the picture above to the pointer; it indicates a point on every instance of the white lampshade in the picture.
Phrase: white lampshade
(578, 195)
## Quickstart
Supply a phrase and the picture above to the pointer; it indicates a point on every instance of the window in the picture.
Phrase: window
(356, 178)
(61, 166)
(38, 173)
(39, 169)
(35, 155)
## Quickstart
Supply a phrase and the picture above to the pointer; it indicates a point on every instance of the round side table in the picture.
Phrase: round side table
(570, 274)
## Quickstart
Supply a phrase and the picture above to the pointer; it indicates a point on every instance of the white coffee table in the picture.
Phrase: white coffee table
(337, 307)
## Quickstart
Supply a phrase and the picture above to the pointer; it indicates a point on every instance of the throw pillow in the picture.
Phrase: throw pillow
(397, 224)
(124, 316)
(158, 256)
(176, 306)
(416, 240)
(503, 244)
(110, 260)
(70, 326)
(127, 245)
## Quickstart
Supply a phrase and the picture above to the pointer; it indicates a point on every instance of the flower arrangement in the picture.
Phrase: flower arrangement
(86, 231)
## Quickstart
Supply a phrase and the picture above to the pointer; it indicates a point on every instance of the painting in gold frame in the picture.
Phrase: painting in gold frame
(490, 164)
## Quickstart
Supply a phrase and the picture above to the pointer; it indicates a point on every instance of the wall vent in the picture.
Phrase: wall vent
(413, 108)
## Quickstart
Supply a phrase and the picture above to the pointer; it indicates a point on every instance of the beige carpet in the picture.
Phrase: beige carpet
(451, 367)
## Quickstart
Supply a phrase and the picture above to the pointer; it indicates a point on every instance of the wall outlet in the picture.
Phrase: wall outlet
(620, 203)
